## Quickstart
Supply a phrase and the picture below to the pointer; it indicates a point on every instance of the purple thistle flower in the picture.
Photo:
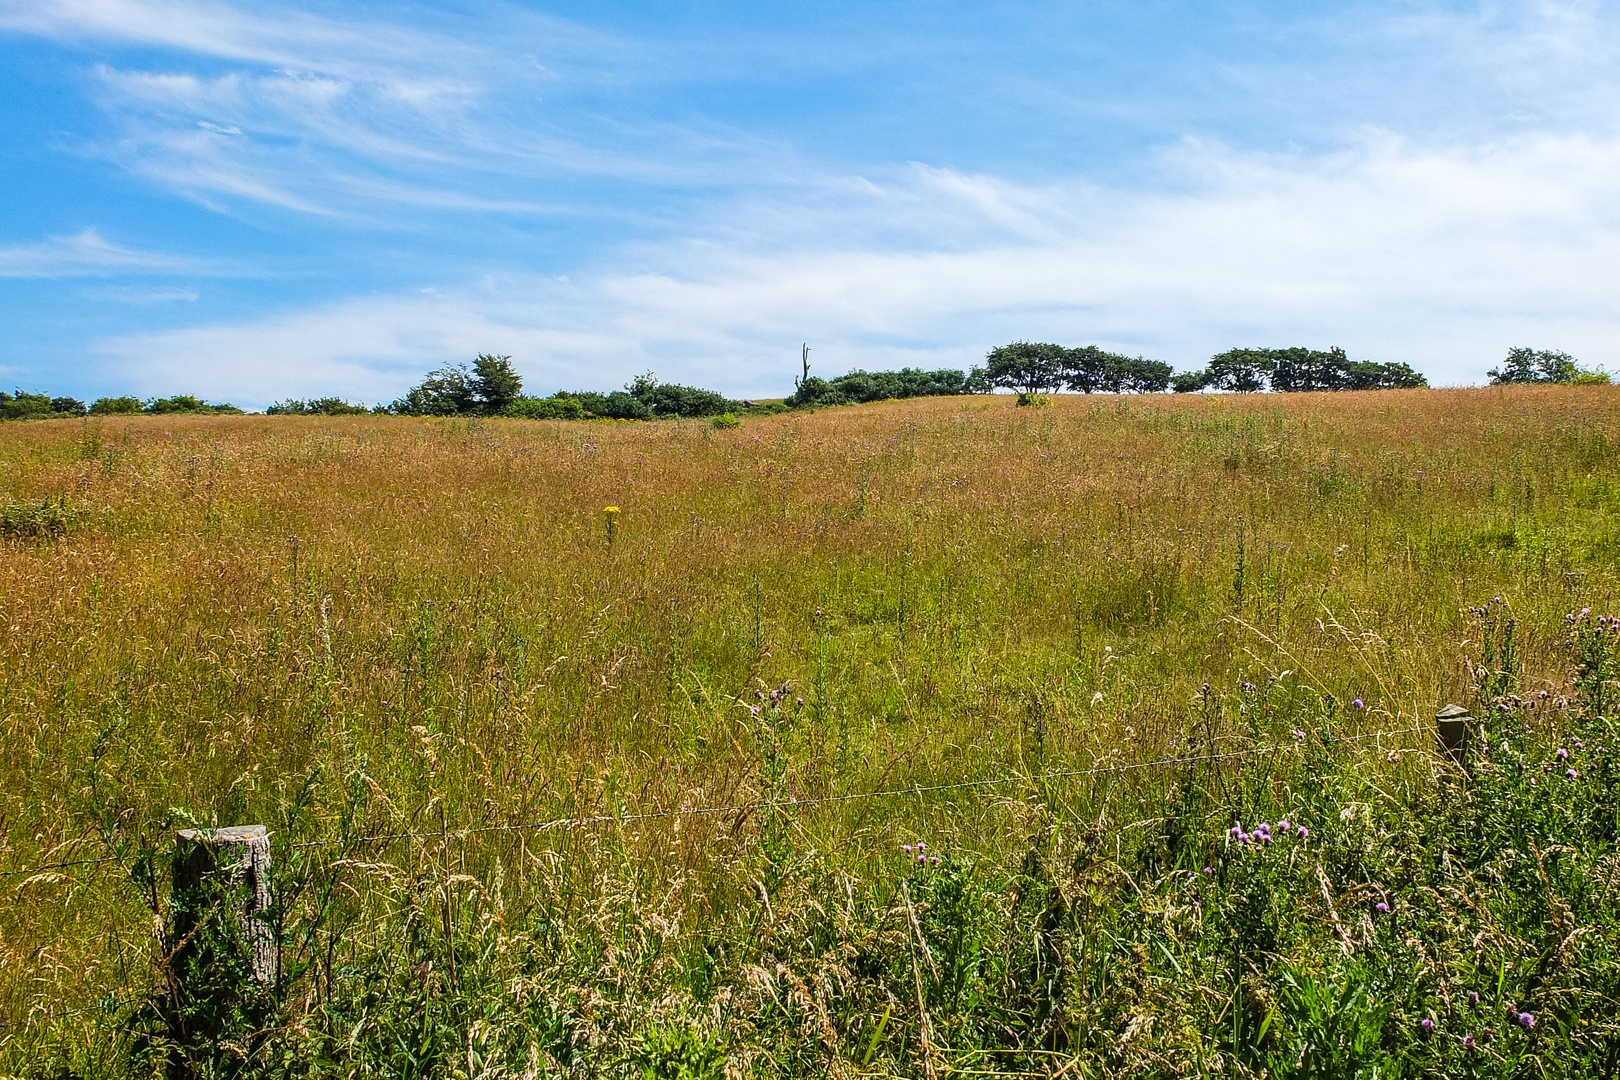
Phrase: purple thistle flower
(1381, 907)
(1299, 736)
(906, 848)
(1562, 753)
(923, 859)
(1426, 1024)
(798, 701)
(1303, 832)
(1468, 1042)
(1571, 773)
(921, 846)
(1236, 831)
(1210, 870)
(1263, 828)
(1283, 825)
(1357, 703)
(1527, 1021)
(936, 860)
(753, 710)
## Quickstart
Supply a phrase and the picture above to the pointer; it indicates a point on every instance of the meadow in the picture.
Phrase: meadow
(558, 790)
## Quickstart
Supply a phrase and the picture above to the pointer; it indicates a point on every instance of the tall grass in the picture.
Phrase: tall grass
(351, 627)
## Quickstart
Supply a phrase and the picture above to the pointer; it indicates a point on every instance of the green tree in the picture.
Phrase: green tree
(1026, 366)
(1524, 365)
(495, 383)
(1243, 371)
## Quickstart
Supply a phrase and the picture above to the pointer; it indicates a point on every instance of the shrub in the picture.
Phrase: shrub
(326, 406)
(25, 406)
(559, 406)
(115, 406)
(725, 421)
(859, 386)
(186, 403)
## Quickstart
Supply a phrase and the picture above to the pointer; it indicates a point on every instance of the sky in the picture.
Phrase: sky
(251, 202)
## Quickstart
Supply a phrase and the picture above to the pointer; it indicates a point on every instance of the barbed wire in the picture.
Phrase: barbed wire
(915, 790)
(579, 822)
(40, 1018)
(822, 800)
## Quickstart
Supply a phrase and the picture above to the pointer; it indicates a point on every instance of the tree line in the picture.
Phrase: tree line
(490, 386)
(1033, 368)
(25, 406)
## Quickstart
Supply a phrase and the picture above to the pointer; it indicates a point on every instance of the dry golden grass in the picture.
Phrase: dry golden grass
(957, 588)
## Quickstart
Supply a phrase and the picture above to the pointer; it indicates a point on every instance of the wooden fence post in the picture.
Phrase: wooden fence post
(229, 866)
(1451, 725)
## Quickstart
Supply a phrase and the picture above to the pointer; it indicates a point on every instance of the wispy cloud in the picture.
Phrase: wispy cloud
(360, 118)
(87, 254)
(1437, 257)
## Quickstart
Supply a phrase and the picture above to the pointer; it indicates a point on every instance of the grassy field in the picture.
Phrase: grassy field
(434, 632)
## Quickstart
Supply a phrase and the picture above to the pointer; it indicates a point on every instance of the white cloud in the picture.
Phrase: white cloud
(87, 254)
(1441, 258)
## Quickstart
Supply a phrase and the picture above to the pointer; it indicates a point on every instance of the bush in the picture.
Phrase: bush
(860, 386)
(326, 406)
(187, 404)
(559, 406)
(115, 406)
(24, 406)
(726, 421)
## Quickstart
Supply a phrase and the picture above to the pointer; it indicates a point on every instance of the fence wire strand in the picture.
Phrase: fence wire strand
(915, 790)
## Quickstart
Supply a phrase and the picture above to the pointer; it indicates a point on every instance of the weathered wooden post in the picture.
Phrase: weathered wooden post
(1451, 726)
(222, 890)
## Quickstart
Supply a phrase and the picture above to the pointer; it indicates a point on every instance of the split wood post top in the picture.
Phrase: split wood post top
(237, 859)
(1451, 725)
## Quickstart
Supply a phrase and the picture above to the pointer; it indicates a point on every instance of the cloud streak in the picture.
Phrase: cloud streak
(1436, 257)
(87, 254)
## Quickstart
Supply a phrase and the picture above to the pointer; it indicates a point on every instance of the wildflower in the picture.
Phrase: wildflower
(1299, 736)
(1571, 773)
(1427, 1025)
(1302, 832)
(1357, 703)
(1576, 744)
(921, 846)
(1236, 831)
(1562, 753)
(1209, 870)
(1263, 828)
(936, 859)
(1468, 1042)
(1283, 825)
(1381, 907)
(753, 710)
(906, 848)
(1527, 1021)
(1473, 998)
(923, 859)
(798, 701)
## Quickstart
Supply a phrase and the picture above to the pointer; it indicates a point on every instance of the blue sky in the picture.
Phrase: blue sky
(256, 201)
